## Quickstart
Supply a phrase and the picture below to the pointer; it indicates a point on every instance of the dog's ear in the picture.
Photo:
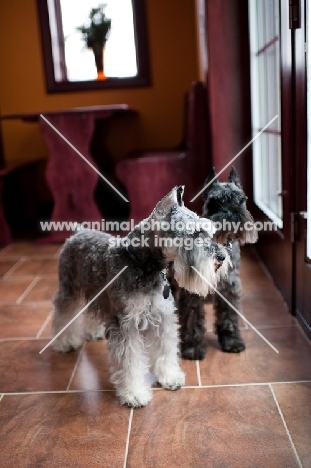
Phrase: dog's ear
(180, 192)
(234, 178)
(210, 182)
(165, 205)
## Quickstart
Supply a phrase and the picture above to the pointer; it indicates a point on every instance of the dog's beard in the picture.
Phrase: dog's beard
(189, 279)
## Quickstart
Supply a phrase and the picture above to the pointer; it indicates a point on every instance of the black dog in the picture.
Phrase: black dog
(225, 206)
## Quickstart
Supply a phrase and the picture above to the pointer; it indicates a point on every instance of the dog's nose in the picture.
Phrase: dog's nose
(220, 257)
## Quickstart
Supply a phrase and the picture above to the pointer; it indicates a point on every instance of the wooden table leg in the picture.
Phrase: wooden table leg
(71, 179)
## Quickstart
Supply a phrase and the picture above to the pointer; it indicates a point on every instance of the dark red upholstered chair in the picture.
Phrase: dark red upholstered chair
(149, 177)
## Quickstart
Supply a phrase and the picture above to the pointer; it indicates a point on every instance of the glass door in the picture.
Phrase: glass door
(271, 62)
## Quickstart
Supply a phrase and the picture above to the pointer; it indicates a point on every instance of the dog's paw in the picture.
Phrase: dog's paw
(93, 330)
(67, 344)
(231, 344)
(61, 348)
(137, 399)
(173, 380)
(194, 353)
(96, 334)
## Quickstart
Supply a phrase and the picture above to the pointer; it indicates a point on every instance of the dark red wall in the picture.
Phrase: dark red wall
(228, 82)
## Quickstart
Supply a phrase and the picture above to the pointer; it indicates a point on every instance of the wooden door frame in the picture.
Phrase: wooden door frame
(300, 274)
(275, 248)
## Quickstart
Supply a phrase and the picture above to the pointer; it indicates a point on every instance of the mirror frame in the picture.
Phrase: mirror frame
(143, 77)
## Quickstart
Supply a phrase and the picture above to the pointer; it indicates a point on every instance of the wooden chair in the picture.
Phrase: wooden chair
(150, 177)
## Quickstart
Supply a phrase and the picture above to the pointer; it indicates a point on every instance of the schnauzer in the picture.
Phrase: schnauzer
(137, 309)
(225, 206)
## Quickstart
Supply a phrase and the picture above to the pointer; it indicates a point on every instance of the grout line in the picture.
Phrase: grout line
(286, 428)
(247, 384)
(18, 278)
(128, 438)
(197, 365)
(21, 338)
(13, 268)
(28, 257)
(27, 290)
(32, 303)
(1, 396)
(76, 366)
(272, 327)
(23, 277)
(187, 387)
(51, 392)
(43, 326)
(40, 257)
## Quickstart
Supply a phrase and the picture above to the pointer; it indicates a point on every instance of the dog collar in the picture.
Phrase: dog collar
(167, 288)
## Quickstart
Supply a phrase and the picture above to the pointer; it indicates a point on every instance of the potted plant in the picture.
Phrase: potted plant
(96, 35)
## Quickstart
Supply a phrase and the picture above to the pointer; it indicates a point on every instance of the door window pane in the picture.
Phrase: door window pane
(265, 97)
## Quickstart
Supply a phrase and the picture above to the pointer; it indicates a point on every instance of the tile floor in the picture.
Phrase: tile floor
(243, 410)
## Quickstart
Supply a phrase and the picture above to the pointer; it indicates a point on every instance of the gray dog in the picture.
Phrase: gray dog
(137, 308)
(225, 206)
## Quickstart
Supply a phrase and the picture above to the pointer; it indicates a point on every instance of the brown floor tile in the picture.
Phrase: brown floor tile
(250, 267)
(295, 404)
(93, 369)
(43, 290)
(11, 290)
(266, 309)
(23, 369)
(20, 249)
(34, 267)
(22, 320)
(259, 363)
(71, 430)
(258, 284)
(5, 266)
(219, 427)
